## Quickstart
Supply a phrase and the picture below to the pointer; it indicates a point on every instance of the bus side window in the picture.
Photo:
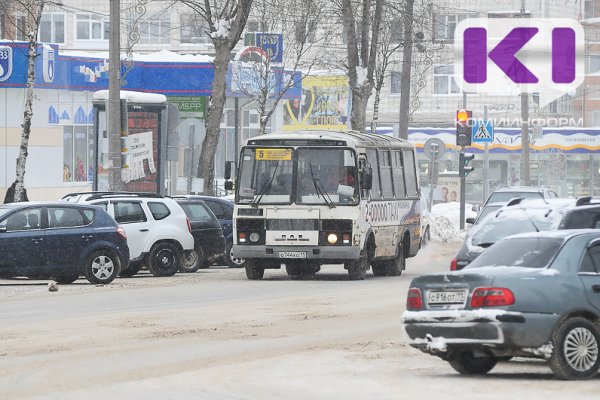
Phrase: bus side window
(410, 173)
(372, 161)
(385, 171)
(398, 175)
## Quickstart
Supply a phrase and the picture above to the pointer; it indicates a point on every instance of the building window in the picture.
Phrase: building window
(92, 27)
(155, 31)
(252, 26)
(193, 29)
(21, 28)
(595, 118)
(444, 26)
(77, 153)
(588, 10)
(52, 28)
(396, 31)
(443, 80)
(302, 36)
(395, 79)
(593, 64)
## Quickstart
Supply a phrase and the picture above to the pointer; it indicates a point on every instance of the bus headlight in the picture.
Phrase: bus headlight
(332, 238)
(254, 237)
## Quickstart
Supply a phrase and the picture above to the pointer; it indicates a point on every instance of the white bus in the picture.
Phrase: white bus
(309, 198)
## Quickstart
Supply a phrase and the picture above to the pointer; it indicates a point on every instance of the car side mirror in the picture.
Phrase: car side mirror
(367, 178)
(228, 167)
(470, 221)
(2, 228)
(228, 185)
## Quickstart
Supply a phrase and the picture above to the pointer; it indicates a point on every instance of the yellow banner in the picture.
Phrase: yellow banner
(274, 154)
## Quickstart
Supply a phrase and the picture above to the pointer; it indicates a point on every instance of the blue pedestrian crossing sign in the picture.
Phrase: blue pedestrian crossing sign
(482, 131)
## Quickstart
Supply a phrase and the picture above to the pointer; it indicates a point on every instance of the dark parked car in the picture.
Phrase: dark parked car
(531, 295)
(518, 216)
(61, 241)
(209, 242)
(223, 210)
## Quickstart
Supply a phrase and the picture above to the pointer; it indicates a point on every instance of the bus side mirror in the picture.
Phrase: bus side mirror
(367, 178)
(227, 174)
(470, 221)
(228, 185)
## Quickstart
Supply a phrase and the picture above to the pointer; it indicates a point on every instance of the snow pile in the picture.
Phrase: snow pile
(444, 223)
(222, 27)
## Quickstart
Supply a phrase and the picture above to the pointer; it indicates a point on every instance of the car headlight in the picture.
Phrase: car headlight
(332, 238)
(254, 237)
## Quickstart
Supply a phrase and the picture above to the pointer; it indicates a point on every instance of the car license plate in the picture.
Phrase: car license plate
(292, 254)
(447, 297)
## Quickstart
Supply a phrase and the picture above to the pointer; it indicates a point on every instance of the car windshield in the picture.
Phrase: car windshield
(511, 222)
(504, 197)
(519, 252)
(323, 176)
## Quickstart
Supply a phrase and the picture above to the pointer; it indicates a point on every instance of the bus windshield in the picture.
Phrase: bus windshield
(323, 176)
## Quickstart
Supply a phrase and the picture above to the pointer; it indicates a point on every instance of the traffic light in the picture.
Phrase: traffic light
(464, 160)
(463, 127)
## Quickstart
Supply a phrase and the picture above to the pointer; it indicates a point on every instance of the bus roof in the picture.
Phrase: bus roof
(329, 137)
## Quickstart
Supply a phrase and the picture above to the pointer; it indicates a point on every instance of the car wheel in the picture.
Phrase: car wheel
(465, 363)
(102, 267)
(253, 271)
(575, 349)
(164, 259)
(66, 277)
(357, 270)
(230, 260)
(192, 261)
(133, 268)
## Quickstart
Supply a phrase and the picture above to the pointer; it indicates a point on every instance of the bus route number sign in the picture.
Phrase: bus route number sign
(274, 154)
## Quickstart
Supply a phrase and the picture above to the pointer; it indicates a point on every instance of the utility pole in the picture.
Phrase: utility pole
(114, 98)
(408, 20)
(486, 162)
(525, 174)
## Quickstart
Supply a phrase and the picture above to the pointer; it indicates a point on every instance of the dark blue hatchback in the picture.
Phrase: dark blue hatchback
(60, 241)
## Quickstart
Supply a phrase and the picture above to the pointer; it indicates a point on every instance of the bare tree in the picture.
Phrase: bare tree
(226, 20)
(361, 47)
(297, 22)
(389, 44)
(24, 17)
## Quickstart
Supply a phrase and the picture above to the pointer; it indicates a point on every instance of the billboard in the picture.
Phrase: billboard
(325, 104)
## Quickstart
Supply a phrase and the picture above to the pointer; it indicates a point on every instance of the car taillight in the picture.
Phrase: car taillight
(187, 220)
(121, 231)
(453, 264)
(492, 297)
(414, 300)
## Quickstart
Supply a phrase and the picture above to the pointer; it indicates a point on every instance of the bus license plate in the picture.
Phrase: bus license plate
(292, 254)
(447, 297)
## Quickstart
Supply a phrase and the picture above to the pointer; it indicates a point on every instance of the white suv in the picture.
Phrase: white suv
(158, 230)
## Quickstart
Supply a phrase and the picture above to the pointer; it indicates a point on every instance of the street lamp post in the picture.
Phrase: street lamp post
(114, 98)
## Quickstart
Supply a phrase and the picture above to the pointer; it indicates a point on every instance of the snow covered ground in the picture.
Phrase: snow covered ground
(444, 222)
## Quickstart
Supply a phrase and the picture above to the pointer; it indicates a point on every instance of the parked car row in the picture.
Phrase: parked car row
(102, 235)
(526, 283)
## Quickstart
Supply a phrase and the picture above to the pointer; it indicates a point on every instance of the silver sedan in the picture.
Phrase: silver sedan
(532, 295)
